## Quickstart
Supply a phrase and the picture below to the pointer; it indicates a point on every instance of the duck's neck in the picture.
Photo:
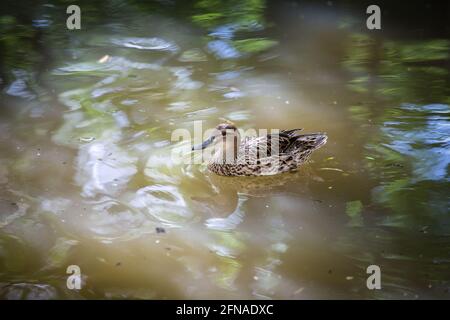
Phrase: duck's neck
(227, 151)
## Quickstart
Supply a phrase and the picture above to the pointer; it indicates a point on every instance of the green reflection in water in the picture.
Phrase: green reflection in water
(394, 70)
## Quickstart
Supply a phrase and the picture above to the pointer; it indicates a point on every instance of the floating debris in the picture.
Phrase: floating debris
(103, 59)
(160, 230)
(86, 139)
(331, 169)
(299, 290)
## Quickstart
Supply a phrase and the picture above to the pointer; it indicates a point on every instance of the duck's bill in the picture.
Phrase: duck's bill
(204, 144)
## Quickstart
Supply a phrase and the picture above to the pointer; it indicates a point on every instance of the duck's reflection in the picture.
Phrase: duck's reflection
(227, 194)
(230, 237)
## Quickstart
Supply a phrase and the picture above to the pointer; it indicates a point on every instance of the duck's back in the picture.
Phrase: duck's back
(271, 154)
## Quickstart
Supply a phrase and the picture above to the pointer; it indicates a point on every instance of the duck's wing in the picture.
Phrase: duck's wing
(286, 139)
(260, 156)
(309, 141)
(282, 143)
(268, 145)
(279, 143)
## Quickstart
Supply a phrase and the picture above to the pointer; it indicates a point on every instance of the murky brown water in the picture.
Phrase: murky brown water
(87, 178)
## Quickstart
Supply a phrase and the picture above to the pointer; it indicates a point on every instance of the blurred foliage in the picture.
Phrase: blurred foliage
(427, 50)
(396, 69)
(234, 19)
(353, 208)
(32, 39)
(254, 45)
(407, 153)
(16, 44)
(243, 13)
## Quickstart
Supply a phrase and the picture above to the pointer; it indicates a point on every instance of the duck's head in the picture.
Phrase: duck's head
(226, 139)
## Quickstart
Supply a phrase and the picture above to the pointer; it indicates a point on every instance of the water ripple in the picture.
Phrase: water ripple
(157, 44)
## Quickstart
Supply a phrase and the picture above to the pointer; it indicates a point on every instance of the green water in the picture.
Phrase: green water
(87, 177)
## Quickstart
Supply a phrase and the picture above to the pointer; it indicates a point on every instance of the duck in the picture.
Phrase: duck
(271, 154)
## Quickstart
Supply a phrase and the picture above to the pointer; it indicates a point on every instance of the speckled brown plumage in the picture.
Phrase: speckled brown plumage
(267, 155)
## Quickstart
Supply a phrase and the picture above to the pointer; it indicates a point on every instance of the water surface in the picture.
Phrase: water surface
(87, 178)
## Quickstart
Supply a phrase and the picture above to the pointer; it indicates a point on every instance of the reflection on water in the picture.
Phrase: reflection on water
(87, 178)
(427, 144)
